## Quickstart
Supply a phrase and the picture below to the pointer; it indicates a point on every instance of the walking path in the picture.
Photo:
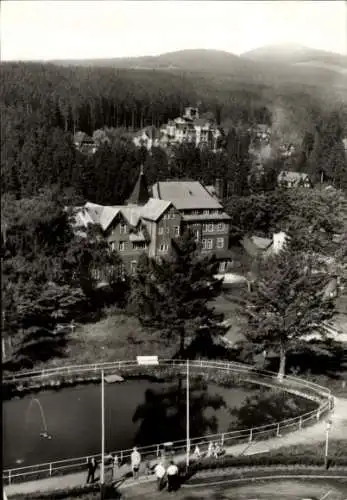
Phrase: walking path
(309, 435)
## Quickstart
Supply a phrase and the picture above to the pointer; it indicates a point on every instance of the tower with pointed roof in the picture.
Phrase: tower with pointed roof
(139, 195)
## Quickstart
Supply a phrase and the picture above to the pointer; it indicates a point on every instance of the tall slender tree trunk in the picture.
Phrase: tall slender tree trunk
(282, 367)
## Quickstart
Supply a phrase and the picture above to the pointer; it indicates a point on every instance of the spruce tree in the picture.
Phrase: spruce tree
(173, 294)
(285, 303)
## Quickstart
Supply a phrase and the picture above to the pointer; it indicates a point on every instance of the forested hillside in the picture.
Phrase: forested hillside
(43, 104)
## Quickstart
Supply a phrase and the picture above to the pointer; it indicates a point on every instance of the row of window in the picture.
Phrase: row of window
(122, 246)
(201, 212)
(211, 228)
(207, 243)
(170, 215)
(167, 230)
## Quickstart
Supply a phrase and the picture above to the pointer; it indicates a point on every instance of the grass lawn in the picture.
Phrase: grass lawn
(121, 337)
(117, 337)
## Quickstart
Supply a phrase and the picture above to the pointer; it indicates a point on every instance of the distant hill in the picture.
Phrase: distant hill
(268, 65)
(185, 60)
(291, 54)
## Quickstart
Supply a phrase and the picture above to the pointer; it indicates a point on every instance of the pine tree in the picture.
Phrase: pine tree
(285, 303)
(173, 294)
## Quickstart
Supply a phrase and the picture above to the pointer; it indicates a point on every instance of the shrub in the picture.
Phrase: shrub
(303, 455)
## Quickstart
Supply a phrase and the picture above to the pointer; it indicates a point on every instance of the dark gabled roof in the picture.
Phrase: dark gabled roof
(185, 195)
(140, 195)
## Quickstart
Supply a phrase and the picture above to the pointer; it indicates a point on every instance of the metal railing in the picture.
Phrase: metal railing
(245, 373)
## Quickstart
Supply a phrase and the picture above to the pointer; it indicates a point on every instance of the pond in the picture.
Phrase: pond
(137, 411)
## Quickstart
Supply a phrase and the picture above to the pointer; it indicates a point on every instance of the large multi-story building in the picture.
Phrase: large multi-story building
(149, 224)
(201, 213)
(186, 129)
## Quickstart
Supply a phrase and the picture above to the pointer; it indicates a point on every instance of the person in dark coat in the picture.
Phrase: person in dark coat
(172, 477)
(91, 465)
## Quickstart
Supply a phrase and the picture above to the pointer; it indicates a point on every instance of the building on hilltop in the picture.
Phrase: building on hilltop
(149, 224)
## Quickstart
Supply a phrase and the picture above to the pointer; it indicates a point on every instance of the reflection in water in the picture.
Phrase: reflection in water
(267, 406)
(162, 416)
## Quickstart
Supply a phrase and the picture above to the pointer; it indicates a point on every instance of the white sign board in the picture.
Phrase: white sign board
(147, 360)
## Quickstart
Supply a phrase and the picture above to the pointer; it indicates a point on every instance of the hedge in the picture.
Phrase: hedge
(304, 455)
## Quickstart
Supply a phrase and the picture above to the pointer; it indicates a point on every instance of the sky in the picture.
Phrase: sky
(69, 29)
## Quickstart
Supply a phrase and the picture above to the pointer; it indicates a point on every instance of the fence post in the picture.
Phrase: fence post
(121, 456)
(222, 440)
(158, 450)
(9, 477)
(50, 470)
(250, 435)
(300, 423)
(278, 430)
(318, 413)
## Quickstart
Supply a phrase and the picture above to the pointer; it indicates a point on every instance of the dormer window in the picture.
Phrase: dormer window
(123, 228)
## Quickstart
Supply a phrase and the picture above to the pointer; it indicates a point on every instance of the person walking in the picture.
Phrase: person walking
(160, 471)
(135, 458)
(197, 452)
(172, 476)
(115, 466)
(91, 466)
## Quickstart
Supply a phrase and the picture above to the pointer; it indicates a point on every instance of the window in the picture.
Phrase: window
(220, 226)
(207, 244)
(113, 245)
(133, 266)
(220, 242)
(206, 212)
(210, 228)
(139, 245)
(163, 247)
(177, 230)
(167, 230)
(160, 230)
(123, 228)
(122, 246)
(197, 235)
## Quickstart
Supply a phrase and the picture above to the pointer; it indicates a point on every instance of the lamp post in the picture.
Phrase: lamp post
(187, 419)
(102, 469)
(327, 429)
